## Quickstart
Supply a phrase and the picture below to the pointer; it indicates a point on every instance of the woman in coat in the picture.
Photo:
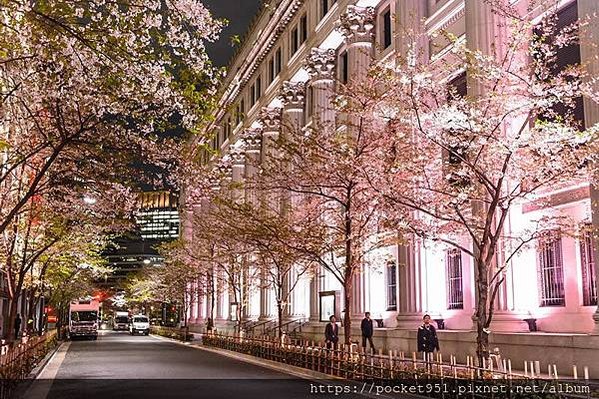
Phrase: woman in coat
(427, 337)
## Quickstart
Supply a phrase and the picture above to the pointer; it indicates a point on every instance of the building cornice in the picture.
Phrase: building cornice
(247, 62)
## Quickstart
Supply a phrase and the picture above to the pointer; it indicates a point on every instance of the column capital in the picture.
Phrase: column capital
(270, 118)
(222, 170)
(293, 95)
(252, 139)
(321, 64)
(357, 24)
(237, 155)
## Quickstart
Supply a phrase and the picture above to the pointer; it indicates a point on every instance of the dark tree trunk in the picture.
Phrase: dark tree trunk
(280, 318)
(347, 297)
(12, 314)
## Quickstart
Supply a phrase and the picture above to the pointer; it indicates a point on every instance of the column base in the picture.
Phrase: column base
(596, 319)
(409, 321)
(510, 321)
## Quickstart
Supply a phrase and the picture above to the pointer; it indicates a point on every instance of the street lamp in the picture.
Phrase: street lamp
(89, 200)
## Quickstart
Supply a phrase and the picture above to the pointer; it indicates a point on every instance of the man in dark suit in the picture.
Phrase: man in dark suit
(331, 333)
(367, 331)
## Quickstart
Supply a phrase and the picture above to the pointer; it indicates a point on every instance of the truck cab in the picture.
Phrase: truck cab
(120, 321)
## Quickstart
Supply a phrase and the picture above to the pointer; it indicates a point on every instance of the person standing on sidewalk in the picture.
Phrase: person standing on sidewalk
(367, 331)
(427, 339)
(17, 325)
(331, 333)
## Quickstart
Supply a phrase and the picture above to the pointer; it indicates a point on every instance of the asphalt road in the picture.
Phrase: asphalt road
(118, 365)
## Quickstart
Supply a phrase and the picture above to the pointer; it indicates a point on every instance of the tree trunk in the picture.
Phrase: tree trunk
(12, 314)
(482, 337)
(347, 297)
(30, 326)
(280, 318)
(212, 304)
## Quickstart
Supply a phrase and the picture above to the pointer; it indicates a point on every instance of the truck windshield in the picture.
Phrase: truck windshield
(84, 316)
(121, 319)
(140, 320)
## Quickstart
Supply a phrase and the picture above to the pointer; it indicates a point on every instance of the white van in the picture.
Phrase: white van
(139, 324)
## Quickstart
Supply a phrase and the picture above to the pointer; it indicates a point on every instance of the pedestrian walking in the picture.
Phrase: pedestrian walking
(367, 331)
(427, 339)
(17, 325)
(331, 333)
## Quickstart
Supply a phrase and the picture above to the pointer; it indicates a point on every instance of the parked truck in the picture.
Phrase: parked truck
(120, 321)
(83, 318)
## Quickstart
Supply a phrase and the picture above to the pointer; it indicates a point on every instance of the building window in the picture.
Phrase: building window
(309, 104)
(387, 32)
(228, 129)
(391, 286)
(344, 67)
(551, 270)
(565, 57)
(253, 95)
(258, 87)
(455, 291)
(294, 41)
(271, 70)
(240, 112)
(325, 7)
(223, 136)
(278, 61)
(456, 153)
(587, 263)
(303, 29)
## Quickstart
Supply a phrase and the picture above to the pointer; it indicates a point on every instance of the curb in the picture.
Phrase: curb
(38, 369)
(24, 386)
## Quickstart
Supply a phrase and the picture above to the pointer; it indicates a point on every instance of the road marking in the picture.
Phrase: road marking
(40, 388)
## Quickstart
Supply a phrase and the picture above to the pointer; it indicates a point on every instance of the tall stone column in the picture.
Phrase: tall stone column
(252, 143)
(270, 119)
(357, 26)
(321, 65)
(315, 295)
(486, 32)
(589, 55)
(410, 283)
(411, 40)
(224, 172)
(237, 174)
(293, 96)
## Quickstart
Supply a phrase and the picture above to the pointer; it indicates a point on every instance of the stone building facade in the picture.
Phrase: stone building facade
(287, 71)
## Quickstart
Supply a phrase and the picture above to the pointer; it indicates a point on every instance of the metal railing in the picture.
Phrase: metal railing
(346, 361)
(19, 359)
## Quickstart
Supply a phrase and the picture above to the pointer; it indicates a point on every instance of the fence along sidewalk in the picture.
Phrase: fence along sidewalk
(348, 363)
(18, 360)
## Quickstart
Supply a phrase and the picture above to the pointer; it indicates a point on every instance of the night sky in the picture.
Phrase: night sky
(239, 13)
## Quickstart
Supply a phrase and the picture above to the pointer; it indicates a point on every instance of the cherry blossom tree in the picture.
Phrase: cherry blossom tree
(454, 166)
(86, 86)
(49, 230)
(268, 237)
(318, 174)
